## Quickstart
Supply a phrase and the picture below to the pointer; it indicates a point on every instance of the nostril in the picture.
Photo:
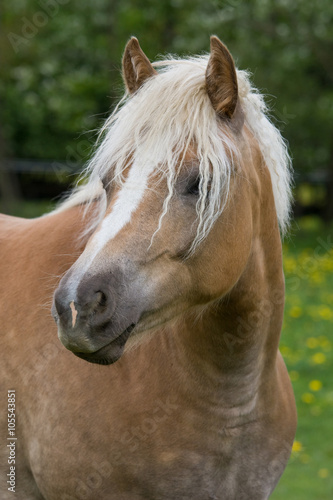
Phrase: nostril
(97, 302)
(101, 298)
(98, 311)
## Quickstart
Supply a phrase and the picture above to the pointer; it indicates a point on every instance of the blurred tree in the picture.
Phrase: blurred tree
(9, 190)
(60, 65)
(56, 78)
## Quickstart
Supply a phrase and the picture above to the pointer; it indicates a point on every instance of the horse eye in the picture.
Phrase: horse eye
(108, 188)
(104, 182)
(193, 187)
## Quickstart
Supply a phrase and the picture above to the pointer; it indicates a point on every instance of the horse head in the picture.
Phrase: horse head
(185, 185)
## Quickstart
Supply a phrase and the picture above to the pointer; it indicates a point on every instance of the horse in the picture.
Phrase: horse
(164, 271)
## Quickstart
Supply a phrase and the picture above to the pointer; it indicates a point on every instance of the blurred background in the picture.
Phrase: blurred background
(60, 66)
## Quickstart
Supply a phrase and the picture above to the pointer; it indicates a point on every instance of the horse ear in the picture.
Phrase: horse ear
(136, 66)
(221, 79)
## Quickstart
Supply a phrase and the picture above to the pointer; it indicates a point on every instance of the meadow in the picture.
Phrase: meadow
(306, 345)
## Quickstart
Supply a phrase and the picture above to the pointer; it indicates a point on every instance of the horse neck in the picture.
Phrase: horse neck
(233, 342)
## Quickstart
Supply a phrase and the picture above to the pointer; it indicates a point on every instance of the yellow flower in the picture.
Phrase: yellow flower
(295, 312)
(323, 473)
(325, 312)
(308, 398)
(319, 358)
(315, 385)
(297, 446)
(312, 342)
(327, 264)
(290, 264)
(317, 277)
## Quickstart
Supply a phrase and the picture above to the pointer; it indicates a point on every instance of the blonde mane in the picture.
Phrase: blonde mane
(155, 126)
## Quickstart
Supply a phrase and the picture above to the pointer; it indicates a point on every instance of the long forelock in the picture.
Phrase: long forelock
(172, 111)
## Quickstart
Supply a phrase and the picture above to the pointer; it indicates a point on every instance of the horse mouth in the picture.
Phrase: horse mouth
(110, 353)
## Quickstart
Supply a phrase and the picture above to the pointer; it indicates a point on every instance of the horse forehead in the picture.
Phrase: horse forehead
(139, 176)
(126, 202)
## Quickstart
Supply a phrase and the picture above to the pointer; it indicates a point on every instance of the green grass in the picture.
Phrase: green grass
(306, 345)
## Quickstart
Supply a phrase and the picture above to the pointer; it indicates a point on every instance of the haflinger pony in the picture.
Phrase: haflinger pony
(170, 257)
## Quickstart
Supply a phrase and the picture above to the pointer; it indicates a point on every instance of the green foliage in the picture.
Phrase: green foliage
(61, 64)
(57, 81)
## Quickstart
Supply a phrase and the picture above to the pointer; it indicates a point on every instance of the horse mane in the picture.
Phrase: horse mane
(156, 125)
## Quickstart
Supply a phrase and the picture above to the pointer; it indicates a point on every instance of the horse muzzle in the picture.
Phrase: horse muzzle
(96, 323)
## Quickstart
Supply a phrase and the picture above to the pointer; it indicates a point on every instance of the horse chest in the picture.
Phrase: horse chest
(168, 463)
(168, 475)
(159, 456)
